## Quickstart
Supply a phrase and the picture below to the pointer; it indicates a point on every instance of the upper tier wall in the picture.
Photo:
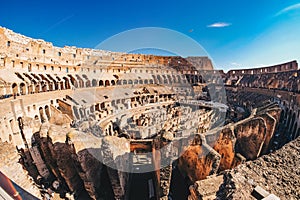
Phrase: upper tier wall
(18, 47)
(289, 66)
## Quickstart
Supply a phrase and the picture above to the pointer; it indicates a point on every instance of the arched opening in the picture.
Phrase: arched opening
(12, 125)
(169, 79)
(22, 89)
(37, 88)
(80, 81)
(42, 117)
(151, 81)
(88, 83)
(192, 79)
(94, 83)
(51, 88)
(178, 79)
(102, 105)
(30, 89)
(67, 83)
(141, 81)
(92, 109)
(47, 111)
(196, 79)
(135, 82)
(109, 130)
(21, 125)
(73, 80)
(159, 79)
(62, 85)
(44, 87)
(113, 82)
(101, 83)
(56, 85)
(174, 79)
(200, 79)
(14, 88)
(146, 81)
(107, 83)
(124, 82)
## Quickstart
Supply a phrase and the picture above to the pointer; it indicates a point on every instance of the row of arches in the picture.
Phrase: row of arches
(37, 87)
(44, 83)
(16, 126)
(44, 113)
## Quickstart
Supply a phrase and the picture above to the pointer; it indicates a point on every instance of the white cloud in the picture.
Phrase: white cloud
(289, 8)
(235, 64)
(219, 25)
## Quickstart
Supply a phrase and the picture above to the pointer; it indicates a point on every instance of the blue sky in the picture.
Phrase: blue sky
(235, 33)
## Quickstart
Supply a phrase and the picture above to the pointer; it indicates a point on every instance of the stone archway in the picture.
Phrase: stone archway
(47, 111)
(37, 88)
(88, 83)
(159, 79)
(15, 90)
(101, 83)
(62, 85)
(179, 79)
(166, 81)
(30, 89)
(51, 87)
(21, 125)
(200, 79)
(169, 79)
(42, 116)
(36, 117)
(67, 83)
(94, 83)
(44, 87)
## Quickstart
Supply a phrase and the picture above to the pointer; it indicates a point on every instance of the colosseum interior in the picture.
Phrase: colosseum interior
(80, 123)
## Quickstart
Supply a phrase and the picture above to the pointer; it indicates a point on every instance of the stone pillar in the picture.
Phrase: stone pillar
(162, 156)
(117, 163)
